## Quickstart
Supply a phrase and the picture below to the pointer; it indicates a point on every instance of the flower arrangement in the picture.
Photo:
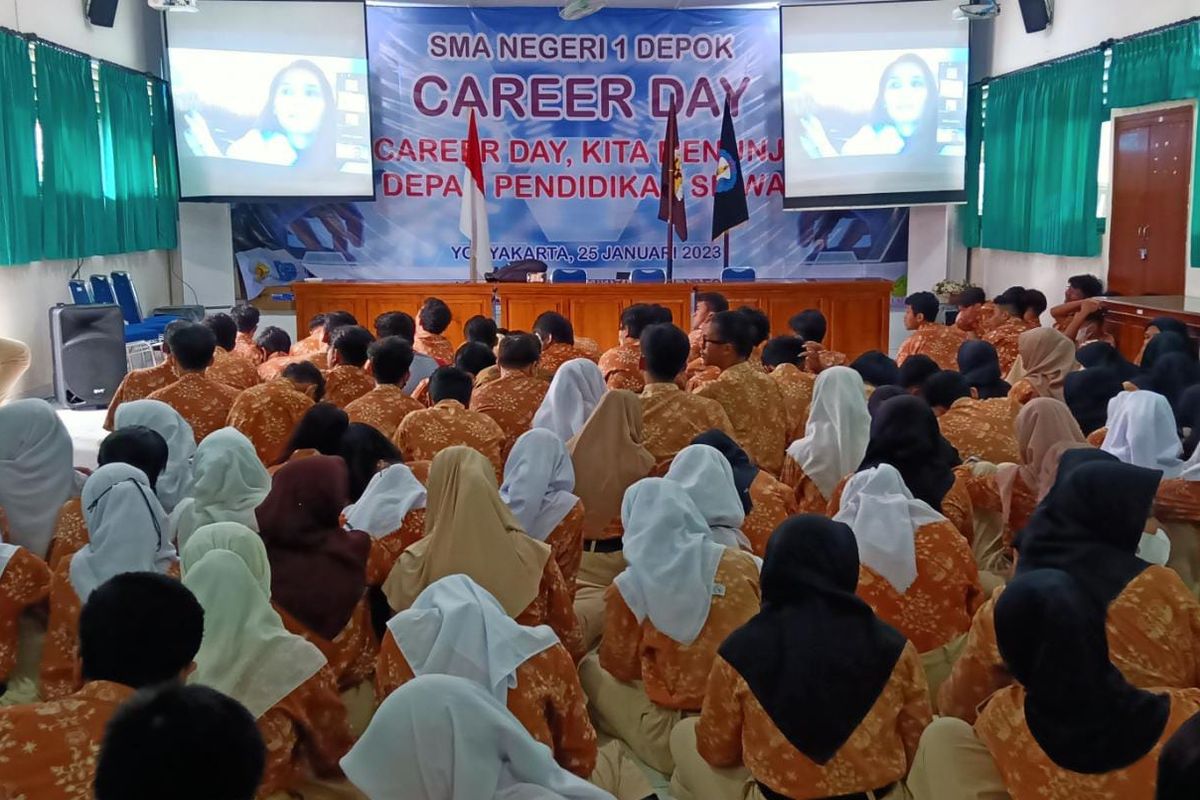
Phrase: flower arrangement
(947, 290)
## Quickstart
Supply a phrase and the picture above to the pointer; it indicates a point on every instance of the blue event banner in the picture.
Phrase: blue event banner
(572, 116)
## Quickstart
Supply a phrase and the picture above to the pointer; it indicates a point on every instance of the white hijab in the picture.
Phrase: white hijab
(539, 477)
(574, 393)
(885, 518)
(37, 472)
(1142, 432)
(457, 628)
(237, 539)
(392, 493)
(246, 653)
(707, 478)
(439, 737)
(175, 482)
(838, 430)
(127, 529)
(230, 482)
(672, 562)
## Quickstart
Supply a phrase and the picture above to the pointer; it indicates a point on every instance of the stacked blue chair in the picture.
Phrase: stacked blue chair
(571, 275)
(136, 329)
(80, 294)
(738, 275)
(648, 276)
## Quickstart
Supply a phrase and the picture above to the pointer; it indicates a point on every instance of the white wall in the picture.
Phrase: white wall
(1078, 24)
(28, 291)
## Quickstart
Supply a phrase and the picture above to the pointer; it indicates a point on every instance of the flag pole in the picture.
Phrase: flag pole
(726, 249)
(475, 241)
(671, 232)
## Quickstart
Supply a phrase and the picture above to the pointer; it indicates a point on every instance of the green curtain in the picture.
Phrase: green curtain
(968, 215)
(166, 195)
(20, 194)
(77, 223)
(128, 151)
(1156, 68)
(1043, 150)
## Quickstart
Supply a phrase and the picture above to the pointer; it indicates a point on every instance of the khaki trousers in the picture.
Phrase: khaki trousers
(952, 764)
(696, 779)
(623, 711)
(618, 774)
(939, 664)
(597, 571)
(14, 360)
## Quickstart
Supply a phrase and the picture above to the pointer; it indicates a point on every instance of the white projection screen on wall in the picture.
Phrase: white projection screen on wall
(874, 104)
(271, 100)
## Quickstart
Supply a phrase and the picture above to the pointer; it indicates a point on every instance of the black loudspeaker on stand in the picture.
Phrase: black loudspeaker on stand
(88, 348)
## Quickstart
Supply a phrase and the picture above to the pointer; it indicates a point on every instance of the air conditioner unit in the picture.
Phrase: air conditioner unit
(173, 5)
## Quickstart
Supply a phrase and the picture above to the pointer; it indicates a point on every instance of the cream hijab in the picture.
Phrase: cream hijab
(392, 493)
(469, 530)
(127, 529)
(538, 481)
(1142, 432)
(246, 653)
(838, 430)
(885, 518)
(574, 393)
(1045, 429)
(229, 483)
(609, 458)
(707, 478)
(36, 472)
(672, 562)
(175, 482)
(439, 737)
(456, 628)
(237, 539)
(1048, 358)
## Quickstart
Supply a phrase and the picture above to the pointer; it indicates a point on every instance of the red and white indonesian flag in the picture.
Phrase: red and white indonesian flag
(473, 221)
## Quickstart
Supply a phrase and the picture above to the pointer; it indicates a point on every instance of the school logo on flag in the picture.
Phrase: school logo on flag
(729, 202)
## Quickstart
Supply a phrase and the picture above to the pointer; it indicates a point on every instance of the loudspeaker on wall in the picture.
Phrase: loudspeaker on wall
(87, 344)
(102, 12)
(1037, 14)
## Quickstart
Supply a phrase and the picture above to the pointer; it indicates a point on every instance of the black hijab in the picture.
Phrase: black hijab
(979, 364)
(1090, 523)
(1171, 374)
(1083, 713)
(816, 657)
(1169, 325)
(1159, 346)
(905, 434)
(1188, 415)
(881, 396)
(876, 369)
(744, 470)
(1087, 393)
(1103, 354)
(1179, 764)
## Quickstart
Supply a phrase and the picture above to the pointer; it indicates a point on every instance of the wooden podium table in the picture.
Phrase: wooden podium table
(1126, 318)
(857, 310)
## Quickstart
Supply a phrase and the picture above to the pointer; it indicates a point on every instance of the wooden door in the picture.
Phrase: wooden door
(1151, 181)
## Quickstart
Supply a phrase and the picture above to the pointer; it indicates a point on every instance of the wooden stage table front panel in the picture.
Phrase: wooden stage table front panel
(857, 310)
(1127, 318)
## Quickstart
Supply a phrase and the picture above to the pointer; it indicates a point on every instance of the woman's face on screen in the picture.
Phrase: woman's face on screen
(299, 102)
(905, 93)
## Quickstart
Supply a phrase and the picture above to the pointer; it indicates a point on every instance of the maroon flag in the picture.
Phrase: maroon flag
(670, 202)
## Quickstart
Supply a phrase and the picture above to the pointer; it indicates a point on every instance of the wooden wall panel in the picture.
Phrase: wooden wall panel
(857, 310)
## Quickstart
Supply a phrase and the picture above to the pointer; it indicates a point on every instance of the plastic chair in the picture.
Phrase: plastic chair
(80, 295)
(127, 297)
(568, 276)
(102, 291)
(648, 276)
(738, 275)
